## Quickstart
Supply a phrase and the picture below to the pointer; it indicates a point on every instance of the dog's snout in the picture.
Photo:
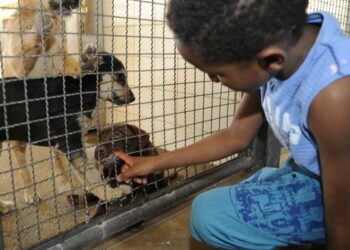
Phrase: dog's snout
(130, 97)
(67, 2)
(64, 6)
(100, 152)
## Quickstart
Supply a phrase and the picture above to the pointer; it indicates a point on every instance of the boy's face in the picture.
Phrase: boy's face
(247, 78)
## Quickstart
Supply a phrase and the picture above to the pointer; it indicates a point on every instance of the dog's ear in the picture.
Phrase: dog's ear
(142, 137)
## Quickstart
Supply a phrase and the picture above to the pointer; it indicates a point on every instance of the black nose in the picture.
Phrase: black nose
(100, 153)
(71, 3)
(131, 96)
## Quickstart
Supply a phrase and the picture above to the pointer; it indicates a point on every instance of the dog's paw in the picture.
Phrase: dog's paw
(6, 206)
(106, 193)
(89, 58)
(30, 197)
(80, 200)
(44, 23)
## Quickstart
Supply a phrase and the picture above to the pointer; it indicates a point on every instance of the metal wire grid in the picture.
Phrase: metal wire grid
(176, 104)
(340, 9)
(31, 224)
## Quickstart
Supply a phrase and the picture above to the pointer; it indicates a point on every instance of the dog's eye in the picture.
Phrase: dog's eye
(120, 77)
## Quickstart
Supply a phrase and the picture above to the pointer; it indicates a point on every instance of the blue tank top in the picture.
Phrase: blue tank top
(286, 103)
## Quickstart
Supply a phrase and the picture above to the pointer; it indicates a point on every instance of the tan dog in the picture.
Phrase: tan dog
(33, 42)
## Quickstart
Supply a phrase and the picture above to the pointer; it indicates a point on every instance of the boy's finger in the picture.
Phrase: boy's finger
(125, 168)
(124, 156)
(140, 180)
(122, 178)
(126, 173)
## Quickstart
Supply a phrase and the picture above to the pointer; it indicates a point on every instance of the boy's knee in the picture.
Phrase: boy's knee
(198, 217)
(202, 223)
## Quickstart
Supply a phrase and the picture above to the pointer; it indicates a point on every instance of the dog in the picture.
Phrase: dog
(33, 46)
(134, 141)
(32, 41)
(48, 112)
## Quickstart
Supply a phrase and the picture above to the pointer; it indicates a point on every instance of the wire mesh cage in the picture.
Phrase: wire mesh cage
(82, 79)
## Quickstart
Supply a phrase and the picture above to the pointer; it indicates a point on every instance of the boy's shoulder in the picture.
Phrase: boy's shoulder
(327, 62)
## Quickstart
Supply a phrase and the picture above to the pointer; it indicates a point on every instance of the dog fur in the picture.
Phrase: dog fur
(33, 46)
(63, 100)
(134, 141)
(32, 41)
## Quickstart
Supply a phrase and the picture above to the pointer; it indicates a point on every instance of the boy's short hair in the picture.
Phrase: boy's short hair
(234, 31)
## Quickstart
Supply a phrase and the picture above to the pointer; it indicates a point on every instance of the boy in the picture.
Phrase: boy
(295, 72)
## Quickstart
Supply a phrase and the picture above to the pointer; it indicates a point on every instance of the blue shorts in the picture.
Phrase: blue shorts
(274, 207)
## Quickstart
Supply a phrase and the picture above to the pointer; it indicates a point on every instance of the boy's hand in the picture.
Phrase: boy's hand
(135, 168)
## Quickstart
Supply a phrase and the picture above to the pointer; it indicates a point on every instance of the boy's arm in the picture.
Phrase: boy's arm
(329, 121)
(237, 137)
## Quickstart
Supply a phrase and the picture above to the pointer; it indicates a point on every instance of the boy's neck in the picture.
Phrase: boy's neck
(298, 53)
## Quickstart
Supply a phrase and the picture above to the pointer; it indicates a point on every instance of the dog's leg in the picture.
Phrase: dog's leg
(75, 67)
(19, 152)
(94, 183)
(22, 46)
(89, 58)
(62, 181)
(72, 66)
(18, 60)
(5, 206)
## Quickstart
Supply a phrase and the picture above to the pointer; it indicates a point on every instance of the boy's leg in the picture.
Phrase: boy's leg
(274, 207)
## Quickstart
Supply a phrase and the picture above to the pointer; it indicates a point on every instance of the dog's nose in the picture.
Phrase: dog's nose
(131, 97)
(72, 3)
(100, 152)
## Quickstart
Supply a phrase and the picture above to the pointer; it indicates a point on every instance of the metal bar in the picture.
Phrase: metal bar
(267, 148)
(347, 26)
(102, 228)
(1, 236)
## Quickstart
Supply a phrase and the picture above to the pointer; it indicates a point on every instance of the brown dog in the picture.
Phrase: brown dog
(134, 141)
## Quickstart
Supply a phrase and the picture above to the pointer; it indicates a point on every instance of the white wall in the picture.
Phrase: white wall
(174, 104)
(339, 8)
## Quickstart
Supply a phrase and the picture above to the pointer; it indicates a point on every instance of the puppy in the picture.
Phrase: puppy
(135, 142)
(33, 43)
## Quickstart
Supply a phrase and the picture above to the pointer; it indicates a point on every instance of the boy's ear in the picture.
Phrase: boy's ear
(272, 59)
